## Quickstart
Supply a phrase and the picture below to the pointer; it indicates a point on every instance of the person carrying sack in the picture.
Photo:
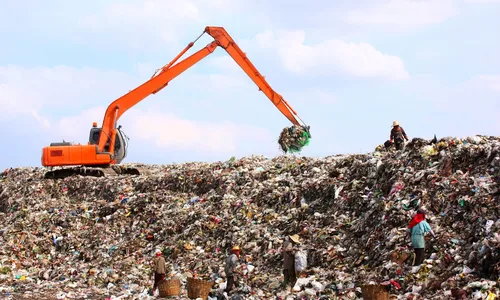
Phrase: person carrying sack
(289, 250)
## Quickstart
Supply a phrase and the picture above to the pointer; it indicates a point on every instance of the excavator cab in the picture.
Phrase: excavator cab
(121, 142)
(50, 156)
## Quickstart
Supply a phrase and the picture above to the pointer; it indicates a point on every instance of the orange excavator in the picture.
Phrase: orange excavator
(107, 146)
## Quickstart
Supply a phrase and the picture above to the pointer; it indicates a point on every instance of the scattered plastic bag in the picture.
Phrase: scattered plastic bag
(300, 261)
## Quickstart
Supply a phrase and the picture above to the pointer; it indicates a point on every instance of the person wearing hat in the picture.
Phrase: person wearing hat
(417, 229)
(159, 268)
(289, 250)
(398, 135)
(231, 263)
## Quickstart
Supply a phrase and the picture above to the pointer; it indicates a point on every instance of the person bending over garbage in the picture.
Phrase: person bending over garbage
(159, 268)
(231, 263)
(289, 250)
(417, 229)
(398, 135)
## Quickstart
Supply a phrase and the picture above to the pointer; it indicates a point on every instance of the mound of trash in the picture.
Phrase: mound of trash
(93, 237)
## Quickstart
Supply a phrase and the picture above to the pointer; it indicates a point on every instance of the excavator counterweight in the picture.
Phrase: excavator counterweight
(108, 144)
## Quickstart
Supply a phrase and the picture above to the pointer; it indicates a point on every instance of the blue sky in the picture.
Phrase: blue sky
(348, 68)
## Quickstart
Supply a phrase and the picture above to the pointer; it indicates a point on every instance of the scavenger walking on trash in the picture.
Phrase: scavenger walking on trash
(289, 250)
(232, 262)
(159, 269)
(398, 135)
(417, 229)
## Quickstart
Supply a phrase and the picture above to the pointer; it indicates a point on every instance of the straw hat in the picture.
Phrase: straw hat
(236, 248)
(395, 123)
(295, 238)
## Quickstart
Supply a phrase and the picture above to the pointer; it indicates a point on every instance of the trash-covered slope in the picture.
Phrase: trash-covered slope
(90, 236)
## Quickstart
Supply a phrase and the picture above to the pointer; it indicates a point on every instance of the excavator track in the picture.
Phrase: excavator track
(109, 171)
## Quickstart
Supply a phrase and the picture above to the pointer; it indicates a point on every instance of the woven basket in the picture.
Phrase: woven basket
(375, 292)
(170, 287)
(198, 288)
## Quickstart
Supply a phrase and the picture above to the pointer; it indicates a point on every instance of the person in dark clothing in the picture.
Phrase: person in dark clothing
(289, 250)
(398, 135)
(387, 145)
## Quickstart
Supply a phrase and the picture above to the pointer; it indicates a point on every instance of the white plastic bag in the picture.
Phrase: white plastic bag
(300, 261)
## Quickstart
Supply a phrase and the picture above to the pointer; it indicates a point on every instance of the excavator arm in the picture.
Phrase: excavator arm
(225, 41)
(163, 76)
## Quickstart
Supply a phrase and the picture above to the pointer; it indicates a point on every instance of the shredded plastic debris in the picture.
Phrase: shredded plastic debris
(95, 237)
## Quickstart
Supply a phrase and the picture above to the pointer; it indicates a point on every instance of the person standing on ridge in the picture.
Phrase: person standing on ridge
(417, 229)
(231, 263)
(398, 135)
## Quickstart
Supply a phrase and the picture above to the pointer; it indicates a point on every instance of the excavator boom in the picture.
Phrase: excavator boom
(107, 145)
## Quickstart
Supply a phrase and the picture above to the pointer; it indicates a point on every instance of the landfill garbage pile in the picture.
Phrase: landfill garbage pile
(293, 139)
(94, 237)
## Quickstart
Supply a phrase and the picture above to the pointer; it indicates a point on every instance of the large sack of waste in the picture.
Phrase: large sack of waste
(95, 237)
(293, 139)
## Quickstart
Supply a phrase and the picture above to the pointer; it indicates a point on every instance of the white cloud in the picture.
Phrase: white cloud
(76, 128)
(222, 81)
(404, 14)
(483, 1)
(165, 131)
(490, 82)
(44, 122)
(224, 63)
(223, 6)
(224, 74)
(143, 20)
(171, 132)
(316, 95)
(146, 70)
(55, 96)
(323, 97)
(152, 23)
(354, 59)
(476, 97)
(28, 91)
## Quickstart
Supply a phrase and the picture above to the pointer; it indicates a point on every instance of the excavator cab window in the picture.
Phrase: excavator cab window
(94, 136)
(121, 145)
(123, 140)
(95, 133)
